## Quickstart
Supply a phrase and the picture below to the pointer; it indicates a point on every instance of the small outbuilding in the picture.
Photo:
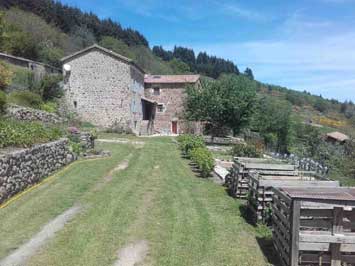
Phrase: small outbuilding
(337, 137)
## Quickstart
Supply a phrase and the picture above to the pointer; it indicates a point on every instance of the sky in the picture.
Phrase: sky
(303, 44)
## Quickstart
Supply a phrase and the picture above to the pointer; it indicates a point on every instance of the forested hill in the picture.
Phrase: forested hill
(82, 29)
(47, 30)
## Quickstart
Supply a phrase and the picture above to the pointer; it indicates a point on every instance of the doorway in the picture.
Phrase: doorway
(174, 127)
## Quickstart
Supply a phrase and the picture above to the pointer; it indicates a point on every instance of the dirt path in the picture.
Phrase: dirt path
(133, 254)
(20, 256)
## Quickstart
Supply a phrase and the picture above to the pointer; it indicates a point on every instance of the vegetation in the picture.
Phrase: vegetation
(227, 102)
(157, 199)
(203, 158)
(25, 98)
(69, 19)
(204, 64)
(48, 88)
(5, 76)
(272, 120)
(187, 143)
(25, 134)
(246, 150)
(3, 100)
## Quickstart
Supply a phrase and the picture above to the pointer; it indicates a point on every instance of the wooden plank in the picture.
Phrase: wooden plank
(282, 196)
(280, 216)
(317, 223)
(316, 213)
(297, 183)
(263, 166)
(324, 247)
(337, 229)
(295, 223)
(325, 238)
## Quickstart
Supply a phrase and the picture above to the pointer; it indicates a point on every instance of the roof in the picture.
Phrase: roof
(8, 56)
(338, 136)
(321, 193)
(102, 49)
(171, 78)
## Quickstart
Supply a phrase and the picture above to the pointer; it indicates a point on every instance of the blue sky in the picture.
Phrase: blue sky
(304, 44)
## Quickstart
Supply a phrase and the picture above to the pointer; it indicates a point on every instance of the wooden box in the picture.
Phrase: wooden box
(314, 226)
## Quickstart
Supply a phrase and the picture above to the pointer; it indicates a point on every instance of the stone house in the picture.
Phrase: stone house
(168, 91)
(107, 90)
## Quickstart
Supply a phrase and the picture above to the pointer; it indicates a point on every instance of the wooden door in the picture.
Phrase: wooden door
(174, 127)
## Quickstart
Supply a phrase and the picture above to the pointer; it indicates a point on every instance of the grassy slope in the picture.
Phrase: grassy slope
(186, 220)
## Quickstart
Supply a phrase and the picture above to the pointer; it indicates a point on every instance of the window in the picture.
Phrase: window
(75, 104)
(156, 91)
(160, 108)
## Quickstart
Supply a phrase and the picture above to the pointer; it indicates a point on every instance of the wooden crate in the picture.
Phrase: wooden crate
(314, 226)
(237, 182)
(260, 195)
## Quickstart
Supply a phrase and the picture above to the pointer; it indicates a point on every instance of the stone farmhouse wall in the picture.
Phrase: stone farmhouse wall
(24, 168)
(29, 114)
(171, 96)
(104, 90)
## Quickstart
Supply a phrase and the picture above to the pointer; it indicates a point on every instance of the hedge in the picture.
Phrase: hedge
(190, 142)
(204, 160)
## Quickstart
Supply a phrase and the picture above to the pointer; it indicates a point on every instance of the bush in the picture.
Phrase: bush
(204, 160)
(50, 107)
(190, 142)
(25, 134)
(49, 87)
(5, 76)
(2, 101)
(25, 98)
(246, 150)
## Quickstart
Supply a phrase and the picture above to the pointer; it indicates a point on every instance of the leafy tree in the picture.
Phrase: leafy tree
(51, 55)
(249, 73)
(179, 67)
(49, 87)
(321, 105)
(273, 121)
(117, 46)
(227, 102)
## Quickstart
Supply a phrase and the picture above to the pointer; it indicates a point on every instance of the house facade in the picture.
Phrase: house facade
(111, 91)
(168, 91)
(106, 89)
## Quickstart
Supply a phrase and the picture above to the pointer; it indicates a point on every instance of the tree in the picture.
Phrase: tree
(249, 73)
(273, 121)
(227, 102)
(179, 67)
(116, 45)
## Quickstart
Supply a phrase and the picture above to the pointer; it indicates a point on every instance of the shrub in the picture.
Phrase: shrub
(49, 87)
(246, 150)
(5, 76)
(25, 134)
(204, 160)
(190, 142)
(50, 107)
(2, 101)
(25, 98)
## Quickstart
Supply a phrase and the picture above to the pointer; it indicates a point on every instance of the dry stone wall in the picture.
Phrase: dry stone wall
(29, 114)
(24, 168)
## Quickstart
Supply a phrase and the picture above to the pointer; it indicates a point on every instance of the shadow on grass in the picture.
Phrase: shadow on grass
(267, 247)
(263, 236)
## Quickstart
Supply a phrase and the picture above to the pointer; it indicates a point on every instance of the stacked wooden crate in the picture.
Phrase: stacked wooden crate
(238, 181)
(261, 190)
(314, 226)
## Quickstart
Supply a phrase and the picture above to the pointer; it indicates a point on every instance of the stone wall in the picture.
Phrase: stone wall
(104, 90)
(23, 168)
(29, 114)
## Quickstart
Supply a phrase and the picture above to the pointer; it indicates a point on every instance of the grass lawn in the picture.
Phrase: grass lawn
(186, 220)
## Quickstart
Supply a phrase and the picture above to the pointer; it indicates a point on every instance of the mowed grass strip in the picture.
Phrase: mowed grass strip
(186, 220)
(25, 217)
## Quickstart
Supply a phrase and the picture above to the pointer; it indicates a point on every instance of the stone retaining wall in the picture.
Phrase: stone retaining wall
(23, 168)
(29, 114)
